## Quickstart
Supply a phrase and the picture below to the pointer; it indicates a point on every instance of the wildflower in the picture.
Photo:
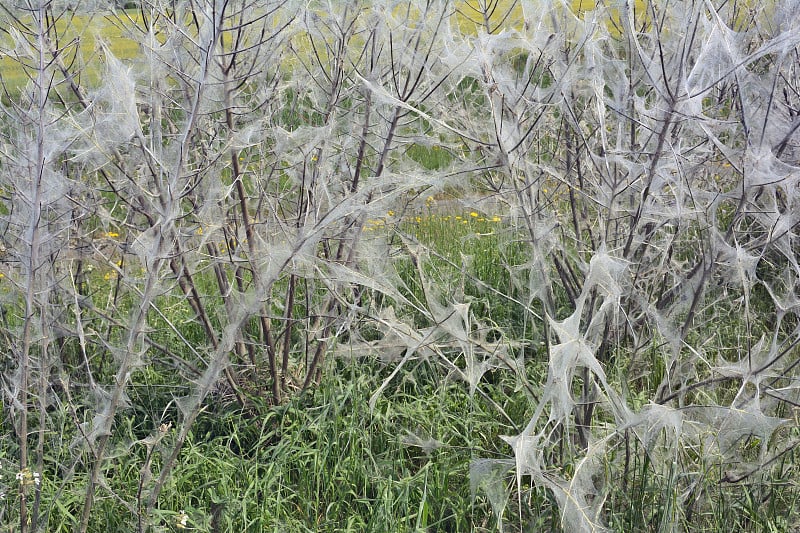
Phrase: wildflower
(200, 230)
(2, 275)
(27, 478)
(495, 218)
(418, 220)
(112, 234)
(390, 213)
(182, 520)
(473, 214)
(429, 201)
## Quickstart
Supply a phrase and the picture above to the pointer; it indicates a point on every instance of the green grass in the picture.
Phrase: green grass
(324, 461)
(473, 253)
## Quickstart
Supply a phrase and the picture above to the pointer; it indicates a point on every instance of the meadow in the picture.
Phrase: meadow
(400, 266)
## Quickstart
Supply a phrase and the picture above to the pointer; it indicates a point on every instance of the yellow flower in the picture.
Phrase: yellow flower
(473, 214)
(390, 213)
(496, 218)
(112, 234)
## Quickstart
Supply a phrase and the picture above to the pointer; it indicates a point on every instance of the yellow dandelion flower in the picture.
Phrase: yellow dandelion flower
(458, 217)
(390, 213)
(473, 214)
(200, 230)
(112, 234)
(418, 219)
(496, 218)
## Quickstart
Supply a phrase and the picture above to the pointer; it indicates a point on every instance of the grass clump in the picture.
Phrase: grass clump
(326, 462)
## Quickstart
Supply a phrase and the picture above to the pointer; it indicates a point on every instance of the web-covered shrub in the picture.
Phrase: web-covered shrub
(221, 213)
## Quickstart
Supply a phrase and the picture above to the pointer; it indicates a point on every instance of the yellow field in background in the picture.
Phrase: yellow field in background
(509, 14)
(80, 32)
